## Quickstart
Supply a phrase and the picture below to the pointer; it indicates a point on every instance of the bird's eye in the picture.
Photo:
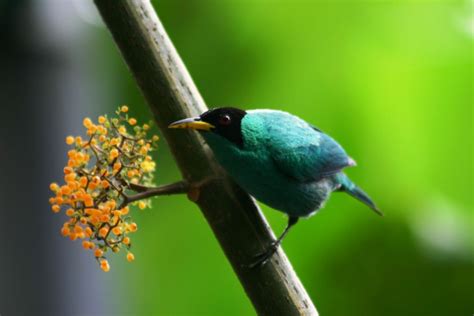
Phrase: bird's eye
(224, 119)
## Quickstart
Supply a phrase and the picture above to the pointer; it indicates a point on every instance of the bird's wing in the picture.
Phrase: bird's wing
(302, 152)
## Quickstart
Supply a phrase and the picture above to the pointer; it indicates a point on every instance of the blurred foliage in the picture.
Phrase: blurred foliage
(393, 82)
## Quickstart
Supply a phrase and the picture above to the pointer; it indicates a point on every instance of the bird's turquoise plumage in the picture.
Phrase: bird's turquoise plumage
(284, 162)
(278, 158)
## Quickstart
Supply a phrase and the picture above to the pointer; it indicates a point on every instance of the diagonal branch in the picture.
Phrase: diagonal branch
(235, 219)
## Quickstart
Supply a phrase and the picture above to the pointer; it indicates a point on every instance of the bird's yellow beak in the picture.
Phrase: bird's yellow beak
(192, 123)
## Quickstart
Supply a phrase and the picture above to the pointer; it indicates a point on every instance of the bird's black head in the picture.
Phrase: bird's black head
(227, 123)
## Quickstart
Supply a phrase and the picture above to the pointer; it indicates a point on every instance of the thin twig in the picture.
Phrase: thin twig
(138, 187)
(179, 187)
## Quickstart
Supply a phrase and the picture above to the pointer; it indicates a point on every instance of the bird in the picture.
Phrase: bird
(279, 159)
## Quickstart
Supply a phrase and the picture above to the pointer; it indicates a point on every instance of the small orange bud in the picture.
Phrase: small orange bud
(105, 207)
(65, 231)
(126, 240)
(130, 257)
(65, 190)
(98, 252)
(103, 231)
(69, 140)
(54, 187)
(132, 121)
(92, 212)
(70, 212)
(94, 220)
(102, 130)
(56, 208)
(144, 150)
(141, 205)
(92, 185)
(124, 109)
(133, 227)
(88, 201)
(117, 166)
(114, 141)
(78, 140)
(112, 204)
(147, 166)
(71, 153)
(70, 177)
(125, 210)
(102, 119)
(88, 231)
(146, 127)
(83, 181)
(105, 184)
(104, 265)
(73, 185)
(91, 130)
(87, 122)
(113, 153)
(117, 230)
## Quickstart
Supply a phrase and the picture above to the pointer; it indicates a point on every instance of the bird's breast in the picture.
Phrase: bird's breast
(256, 173)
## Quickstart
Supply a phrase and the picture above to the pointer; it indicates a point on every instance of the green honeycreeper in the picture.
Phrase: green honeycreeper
(278, 158)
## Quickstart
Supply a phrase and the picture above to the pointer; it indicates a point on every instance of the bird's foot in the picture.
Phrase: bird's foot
(263, 257)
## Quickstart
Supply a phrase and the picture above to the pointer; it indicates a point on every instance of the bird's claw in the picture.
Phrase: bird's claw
(261, 258)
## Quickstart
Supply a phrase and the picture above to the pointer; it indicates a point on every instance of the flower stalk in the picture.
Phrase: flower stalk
(179, 187)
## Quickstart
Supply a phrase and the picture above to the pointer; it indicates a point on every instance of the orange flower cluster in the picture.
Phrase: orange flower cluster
(99, 174)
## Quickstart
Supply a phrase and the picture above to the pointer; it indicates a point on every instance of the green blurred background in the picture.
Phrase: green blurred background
(392, 81)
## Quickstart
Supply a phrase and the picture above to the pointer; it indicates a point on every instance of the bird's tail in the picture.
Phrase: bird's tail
(350, 188)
